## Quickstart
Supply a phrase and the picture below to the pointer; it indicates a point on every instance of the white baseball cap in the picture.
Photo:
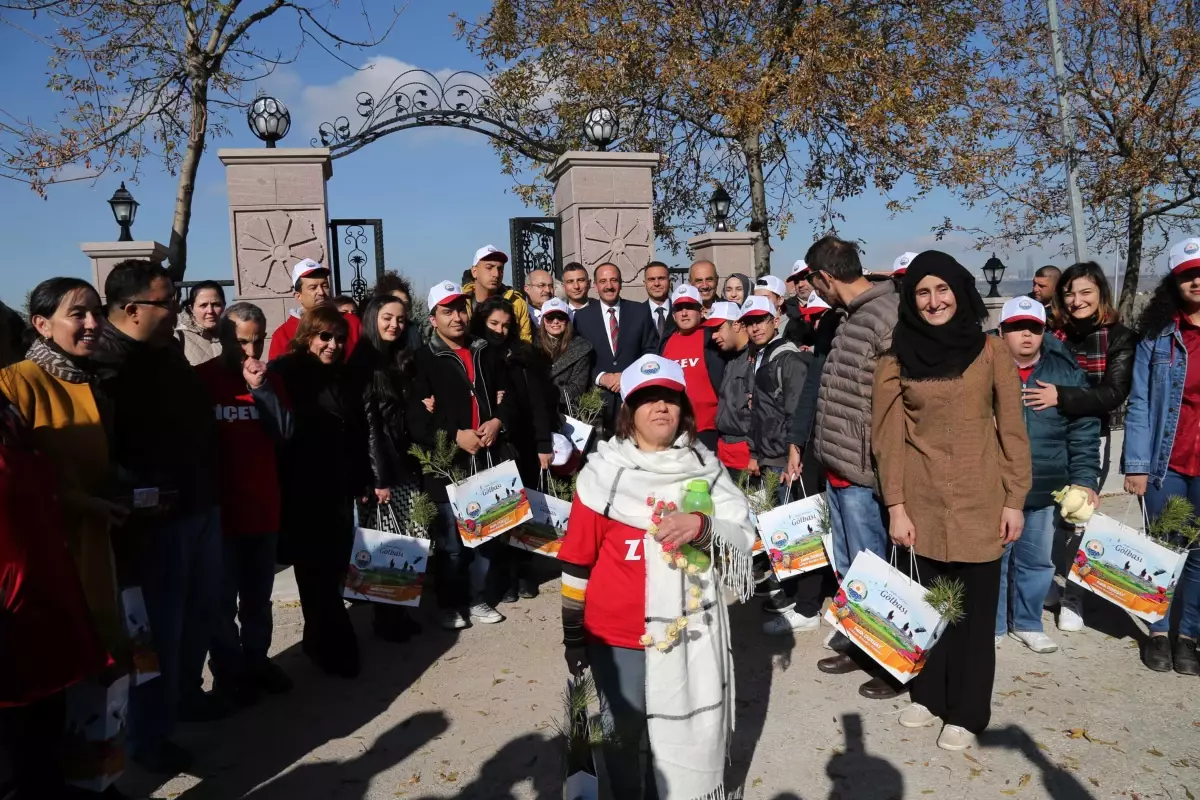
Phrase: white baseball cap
(651, 370)
(489, 253)
(900, 265)
(815, 301)
(799, 270)
(772, 284)
(556, 306)
(756, 305)
(1185, 255)
(305, 268)
(443, 293)
(1023, 309)
(686, 293)
(721, 312)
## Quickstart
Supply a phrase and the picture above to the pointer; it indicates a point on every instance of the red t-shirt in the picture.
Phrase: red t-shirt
(687, 350)
(249, 484)
(1185, 452)
(614, 609)
(735, 455)
(464, 355)
(281, 339)
(1026, 372)
(836, 481)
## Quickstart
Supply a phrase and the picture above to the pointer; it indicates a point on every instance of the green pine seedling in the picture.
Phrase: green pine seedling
(441, 461)
(589, 407)
(947, 596)
(1176, 521)
(562, 488)
(762, 497)
(825, 518)
(423, 513)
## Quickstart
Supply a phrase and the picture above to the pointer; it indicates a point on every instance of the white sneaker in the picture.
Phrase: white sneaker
(789, 621)
(999, 639)
(485, 614)
(1070, 614)
(917, 716)
(954, 738)
(451, 620)
(1036, 641)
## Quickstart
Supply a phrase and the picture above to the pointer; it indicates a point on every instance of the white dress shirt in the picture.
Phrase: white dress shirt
(605, 318)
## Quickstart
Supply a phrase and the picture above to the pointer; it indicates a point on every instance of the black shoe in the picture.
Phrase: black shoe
(880, 688)
(840, 664)
(527, 589)
(1184, 655)
(205, 707)
(271, 678)
(840, 643)
(510, 596)
(167, 759)
(777, 602)
(1157, 654)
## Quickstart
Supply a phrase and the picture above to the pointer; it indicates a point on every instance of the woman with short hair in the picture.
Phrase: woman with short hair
(322, 468)
(643, 592)
(198, 324)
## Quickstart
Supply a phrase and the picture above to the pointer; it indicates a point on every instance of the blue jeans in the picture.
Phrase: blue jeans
(858, 524)
(179, 572)
(1028, 565)
(620, 675)
(248, 576)
(462, 572)
(1185, 603)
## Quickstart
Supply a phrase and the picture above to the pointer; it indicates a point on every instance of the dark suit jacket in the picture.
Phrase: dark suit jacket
(635, 339)
(668, 326)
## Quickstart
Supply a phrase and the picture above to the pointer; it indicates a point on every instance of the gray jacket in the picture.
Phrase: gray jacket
(733, 400)
(777, 386)
(841, 435)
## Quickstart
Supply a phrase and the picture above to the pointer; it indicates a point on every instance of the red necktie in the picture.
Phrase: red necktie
(613, 328)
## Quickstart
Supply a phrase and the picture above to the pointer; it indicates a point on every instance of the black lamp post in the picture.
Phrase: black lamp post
(124, 209)
(720, 207)
(993, 273)
(269, 119)
(600, 127)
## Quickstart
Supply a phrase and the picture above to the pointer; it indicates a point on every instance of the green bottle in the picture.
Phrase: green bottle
(696, 499)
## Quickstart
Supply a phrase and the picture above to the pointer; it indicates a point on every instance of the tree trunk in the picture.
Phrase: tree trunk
(1133, 267)
(188, 168)
(752, 147)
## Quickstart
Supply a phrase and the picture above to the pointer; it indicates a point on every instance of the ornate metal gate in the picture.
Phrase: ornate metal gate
(536, 243)
(357, 254)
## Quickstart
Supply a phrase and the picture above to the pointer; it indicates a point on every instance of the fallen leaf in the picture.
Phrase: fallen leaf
(1094, 782)
(450, 777)
(756, 782)
(927, 791)
(497, 681)
(1038, 674)
(971, 758)
(1189, 794)
(975, 773)
(1009, 792)
(1024, 780)
(506, 672)
(1077, 733)
(1154, 751)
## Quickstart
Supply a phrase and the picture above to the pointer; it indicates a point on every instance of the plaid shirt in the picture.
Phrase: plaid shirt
(1092, 357)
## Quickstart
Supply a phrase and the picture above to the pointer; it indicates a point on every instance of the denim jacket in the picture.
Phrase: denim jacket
(1159, 370)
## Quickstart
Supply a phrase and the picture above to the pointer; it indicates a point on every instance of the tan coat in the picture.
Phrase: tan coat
(954, 452)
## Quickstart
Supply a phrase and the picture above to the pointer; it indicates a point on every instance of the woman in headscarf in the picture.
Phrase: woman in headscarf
(643, 584)
(738, 287)
(949, 436)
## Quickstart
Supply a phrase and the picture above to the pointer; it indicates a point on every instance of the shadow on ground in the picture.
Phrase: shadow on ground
(1058, 782)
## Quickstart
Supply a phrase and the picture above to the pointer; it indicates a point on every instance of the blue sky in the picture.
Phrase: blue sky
(439, 192)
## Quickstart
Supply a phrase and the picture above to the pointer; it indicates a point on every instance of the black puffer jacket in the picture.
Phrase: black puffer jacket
(1103, 399)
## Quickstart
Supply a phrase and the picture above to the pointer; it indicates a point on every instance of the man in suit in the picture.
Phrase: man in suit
(620, 332)
(657, 281)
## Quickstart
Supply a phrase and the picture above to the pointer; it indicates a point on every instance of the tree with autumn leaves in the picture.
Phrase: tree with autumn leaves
(777, 100)
(1132, 82)
(149, 78)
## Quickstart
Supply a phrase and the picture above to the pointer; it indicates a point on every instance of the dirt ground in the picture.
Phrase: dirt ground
(470, 715)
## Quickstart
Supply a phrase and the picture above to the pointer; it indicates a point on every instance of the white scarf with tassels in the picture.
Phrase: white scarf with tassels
(689, 687)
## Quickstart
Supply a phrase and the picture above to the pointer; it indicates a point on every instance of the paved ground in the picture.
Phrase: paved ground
(471, 715)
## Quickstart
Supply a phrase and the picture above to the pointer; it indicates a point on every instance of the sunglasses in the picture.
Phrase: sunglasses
(330, 336)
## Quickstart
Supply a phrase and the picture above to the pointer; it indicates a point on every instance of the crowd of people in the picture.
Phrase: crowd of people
(148, 451)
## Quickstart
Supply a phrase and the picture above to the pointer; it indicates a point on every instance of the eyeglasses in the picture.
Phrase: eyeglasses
(330, 336)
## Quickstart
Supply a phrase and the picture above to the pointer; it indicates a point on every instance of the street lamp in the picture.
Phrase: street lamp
(124, 209)
(601, 126)
(993, 273)
(720, 207)
(269, 119)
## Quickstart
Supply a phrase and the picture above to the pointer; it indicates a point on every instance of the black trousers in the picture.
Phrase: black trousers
(30, 747)
(328, 635)
(956, 682)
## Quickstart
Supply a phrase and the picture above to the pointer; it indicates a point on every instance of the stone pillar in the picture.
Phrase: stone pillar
(731, 251)
(606, 202)
(277, 216)
(106, 255)
(994, 306)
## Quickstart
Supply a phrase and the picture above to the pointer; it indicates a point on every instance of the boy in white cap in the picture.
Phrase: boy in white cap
(692, 348)
(310, 282)
(1065, 450)
(733, 395)
(773, 288)
(488, 281)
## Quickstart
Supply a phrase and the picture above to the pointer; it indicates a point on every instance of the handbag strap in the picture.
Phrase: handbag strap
(913, 568)
(787, 494)
(395, 522)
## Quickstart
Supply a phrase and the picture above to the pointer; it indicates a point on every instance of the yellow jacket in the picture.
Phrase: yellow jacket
(520, 307)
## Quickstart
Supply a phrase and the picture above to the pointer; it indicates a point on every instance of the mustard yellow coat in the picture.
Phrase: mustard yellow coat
(66, 426)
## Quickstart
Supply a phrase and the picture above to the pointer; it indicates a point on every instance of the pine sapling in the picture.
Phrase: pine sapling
(947, 596)
(590, 406)
(440, 461)
(423, 512)
(763, 497)
(1175, 527)
(575, 728)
